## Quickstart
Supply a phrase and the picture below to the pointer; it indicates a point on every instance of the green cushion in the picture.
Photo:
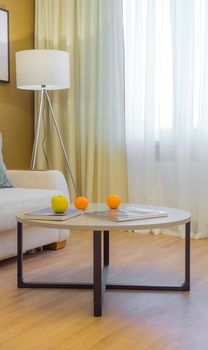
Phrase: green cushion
(4, 181)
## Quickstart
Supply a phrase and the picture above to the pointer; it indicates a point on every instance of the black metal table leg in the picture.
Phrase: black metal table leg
(187, 256)
(106, 248)
(100, 275)
(185, 286)
(21, 283)
(97, 276)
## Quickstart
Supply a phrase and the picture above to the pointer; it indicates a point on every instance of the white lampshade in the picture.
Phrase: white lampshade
(38, 68)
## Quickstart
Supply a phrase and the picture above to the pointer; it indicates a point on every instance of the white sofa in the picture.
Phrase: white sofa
(32, 189)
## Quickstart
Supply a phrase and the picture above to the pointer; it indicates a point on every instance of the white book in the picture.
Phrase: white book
(128, 213)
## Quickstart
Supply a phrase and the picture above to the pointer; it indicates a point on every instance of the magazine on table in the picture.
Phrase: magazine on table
(49, 214)
(128, 213)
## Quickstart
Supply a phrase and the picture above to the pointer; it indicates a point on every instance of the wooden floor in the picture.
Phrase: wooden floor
(62, 319)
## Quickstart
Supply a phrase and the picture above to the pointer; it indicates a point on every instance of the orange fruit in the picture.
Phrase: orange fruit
(81, 202)
(113, 201)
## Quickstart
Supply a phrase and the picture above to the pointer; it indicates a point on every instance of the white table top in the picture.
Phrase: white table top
(84, 222)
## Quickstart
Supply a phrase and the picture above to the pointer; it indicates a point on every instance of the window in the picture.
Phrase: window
(152, 45)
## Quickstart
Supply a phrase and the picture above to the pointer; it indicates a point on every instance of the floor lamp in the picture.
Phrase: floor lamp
(44, 70)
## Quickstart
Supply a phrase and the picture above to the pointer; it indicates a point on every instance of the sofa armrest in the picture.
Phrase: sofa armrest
(49, 179)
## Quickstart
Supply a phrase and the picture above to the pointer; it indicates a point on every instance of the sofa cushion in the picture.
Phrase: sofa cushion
(4, 181)
(14, 200)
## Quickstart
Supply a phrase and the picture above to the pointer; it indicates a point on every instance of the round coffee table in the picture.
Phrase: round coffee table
(101, 229)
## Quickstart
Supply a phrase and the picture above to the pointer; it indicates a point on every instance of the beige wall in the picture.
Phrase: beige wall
(16, 106)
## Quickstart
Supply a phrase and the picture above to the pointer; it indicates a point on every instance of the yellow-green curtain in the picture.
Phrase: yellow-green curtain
(91, 113)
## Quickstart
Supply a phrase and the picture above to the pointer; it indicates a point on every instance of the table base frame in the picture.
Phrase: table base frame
(100, 271)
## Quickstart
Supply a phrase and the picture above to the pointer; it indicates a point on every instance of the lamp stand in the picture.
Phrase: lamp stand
(45, 95)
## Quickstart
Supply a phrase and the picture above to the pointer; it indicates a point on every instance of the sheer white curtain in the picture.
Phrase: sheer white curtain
(90, 113)
(166, 56)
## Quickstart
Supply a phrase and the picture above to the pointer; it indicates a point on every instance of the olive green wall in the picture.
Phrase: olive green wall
(16, 106)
